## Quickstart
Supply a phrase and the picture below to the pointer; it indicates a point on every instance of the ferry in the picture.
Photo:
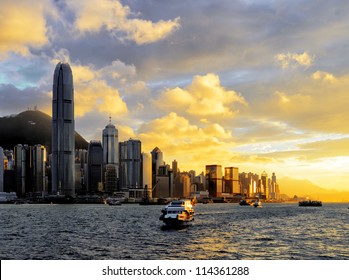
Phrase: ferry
(310, 203)
(178, 212)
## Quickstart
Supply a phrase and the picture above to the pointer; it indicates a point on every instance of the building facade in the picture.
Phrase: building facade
(131, 168)
(63, 131)
(95, 167)
(214, 180)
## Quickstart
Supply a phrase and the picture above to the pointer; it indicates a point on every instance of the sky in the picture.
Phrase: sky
(258, 85)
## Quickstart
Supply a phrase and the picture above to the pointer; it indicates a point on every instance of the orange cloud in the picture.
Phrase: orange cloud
(23, 25)
(203, 98)
(116, 17)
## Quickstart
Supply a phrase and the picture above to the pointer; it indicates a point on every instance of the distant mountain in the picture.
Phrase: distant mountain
(30, 127)
(306, 188)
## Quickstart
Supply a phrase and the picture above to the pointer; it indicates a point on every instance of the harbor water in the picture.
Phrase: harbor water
(277, 231)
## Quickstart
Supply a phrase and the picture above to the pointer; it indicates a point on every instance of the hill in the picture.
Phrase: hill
(306, 188)
(30, 127)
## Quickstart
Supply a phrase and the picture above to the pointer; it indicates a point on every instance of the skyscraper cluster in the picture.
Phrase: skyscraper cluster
(112, 168)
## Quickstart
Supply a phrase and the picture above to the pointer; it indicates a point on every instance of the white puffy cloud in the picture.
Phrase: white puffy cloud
(205, 97)
(286, 60)
(118, 18)
(325, 76)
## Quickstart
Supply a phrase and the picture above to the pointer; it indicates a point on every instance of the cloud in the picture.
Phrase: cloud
(325, 76)
(93, 92)
(294, 59)
(23, 25)
(204, 97)
(120, 20)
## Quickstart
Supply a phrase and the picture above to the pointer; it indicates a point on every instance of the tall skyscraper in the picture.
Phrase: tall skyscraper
(214, 182)
(131, 167)
(1, 170)
(232, 181)
(147, 176)
(38, 158)
(110, 145)
(63, 129)
(95, 167)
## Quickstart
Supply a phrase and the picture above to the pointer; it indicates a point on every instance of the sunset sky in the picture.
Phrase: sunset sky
(256, 84)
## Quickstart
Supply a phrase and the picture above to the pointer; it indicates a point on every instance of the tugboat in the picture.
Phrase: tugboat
(310, 203)
(178, 213)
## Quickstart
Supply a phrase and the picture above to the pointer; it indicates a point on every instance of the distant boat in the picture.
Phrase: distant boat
(112, 201)
(310, 203)
(244, 202)
(257, 203)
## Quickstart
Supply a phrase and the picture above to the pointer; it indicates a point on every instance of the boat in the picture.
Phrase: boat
(244, 202)
(112, 201)
(178, 212)
(310, 203)
(257, 203)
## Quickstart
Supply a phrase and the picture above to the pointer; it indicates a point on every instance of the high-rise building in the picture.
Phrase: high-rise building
(131, 167)
(21, 155)
(214, 181)
(110, 145)
(232, 181)
(264, 185)
(110, 157)
(147, 176)
(63, 129)
(39, 171)
(157, 161)
(273, 186)
(1, 170)
(95, 167)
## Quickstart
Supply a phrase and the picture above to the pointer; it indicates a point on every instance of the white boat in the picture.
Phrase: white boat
(257, 203)
(112, 201)
(178, 212)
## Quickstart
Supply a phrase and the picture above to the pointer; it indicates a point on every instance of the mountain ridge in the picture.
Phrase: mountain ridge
(30, 127)
(305, 188)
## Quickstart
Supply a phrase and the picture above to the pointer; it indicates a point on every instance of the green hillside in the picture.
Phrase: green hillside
(30, 127)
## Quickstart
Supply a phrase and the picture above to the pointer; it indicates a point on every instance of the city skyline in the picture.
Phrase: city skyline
(254, 84)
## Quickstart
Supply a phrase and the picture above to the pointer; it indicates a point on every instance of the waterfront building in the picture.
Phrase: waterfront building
(192, 175)
(175, 168)
(214, 182)
(264, 186)
(95, 167)
(249, 184)
(182, 185)
(273, 187)
(131, 168)
(30, 169)
(63, 130)
(38, 165)
(2, 157)
(163, 186)
(110, 157)
(80, 171)
(232, 181)
(157, 161)
(110, 145)
(21, 154)
(147, 175)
